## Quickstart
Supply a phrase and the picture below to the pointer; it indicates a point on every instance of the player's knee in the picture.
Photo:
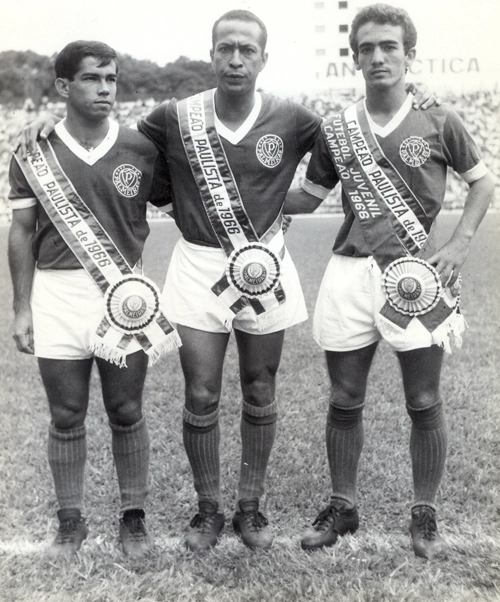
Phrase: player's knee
(126, 413)
(259, 389)
(67, 417)
(347, 394)
(202, 399)
(419, 399)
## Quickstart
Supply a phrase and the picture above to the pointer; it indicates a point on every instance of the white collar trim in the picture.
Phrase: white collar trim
(384, 131)
(90, 157)
(245, 127)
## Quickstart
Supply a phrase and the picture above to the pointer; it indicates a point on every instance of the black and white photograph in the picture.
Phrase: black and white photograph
(249, 259)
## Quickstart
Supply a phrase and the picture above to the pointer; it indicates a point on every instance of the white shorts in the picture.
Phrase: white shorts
(187, 295)
(67, 308)
(348, 305)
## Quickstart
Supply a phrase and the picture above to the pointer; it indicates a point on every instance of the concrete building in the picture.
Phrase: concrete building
(334, 68)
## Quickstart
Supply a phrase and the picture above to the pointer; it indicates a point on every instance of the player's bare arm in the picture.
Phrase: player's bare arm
(450, 258)
(41, 127)
(22, 267)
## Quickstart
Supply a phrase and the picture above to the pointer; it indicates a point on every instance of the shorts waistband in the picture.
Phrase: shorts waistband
(200, 248)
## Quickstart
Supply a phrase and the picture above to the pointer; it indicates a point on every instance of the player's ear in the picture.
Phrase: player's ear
(62, 86)
(410, 57)
(265, 56)
(355, 59)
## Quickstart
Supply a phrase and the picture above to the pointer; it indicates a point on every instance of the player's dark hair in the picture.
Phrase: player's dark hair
(241, 15)
(382, 14)
(69, 59)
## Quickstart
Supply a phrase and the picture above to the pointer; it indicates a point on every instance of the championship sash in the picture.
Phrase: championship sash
(395, 226)
(131, 301)
(253, 264)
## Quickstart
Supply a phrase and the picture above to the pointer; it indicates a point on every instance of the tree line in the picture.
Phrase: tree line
(26, 74)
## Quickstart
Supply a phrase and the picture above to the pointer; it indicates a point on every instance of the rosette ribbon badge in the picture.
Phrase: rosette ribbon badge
(253, 270)
(413, 286)
(132, 303)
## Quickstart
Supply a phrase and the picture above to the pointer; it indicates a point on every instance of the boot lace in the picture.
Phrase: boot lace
(203, 522)
(426, 522)
(67, 531)
(255, 520)
(327, 518)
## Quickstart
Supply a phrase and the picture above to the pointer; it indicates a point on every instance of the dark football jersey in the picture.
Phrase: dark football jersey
(421, 145)
(263, 155)
(115, 180)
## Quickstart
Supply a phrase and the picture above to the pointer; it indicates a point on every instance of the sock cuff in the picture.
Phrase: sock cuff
(67, 434)
(259, 411)
(131, 428)
(64, 514)
(419, 504)
(345, 418)
(350, 503)
(208, 420)
(429, 418)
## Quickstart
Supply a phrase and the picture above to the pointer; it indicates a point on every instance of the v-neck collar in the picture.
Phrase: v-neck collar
(88, 156)
(238, 135)
(388, 128)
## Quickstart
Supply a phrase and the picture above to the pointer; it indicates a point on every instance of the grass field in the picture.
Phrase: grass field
(375, 564)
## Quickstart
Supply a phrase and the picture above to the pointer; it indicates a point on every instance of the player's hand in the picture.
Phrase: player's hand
(23, 331)
(449, 260)
(424, 98)
(285, 224)
(41, 127)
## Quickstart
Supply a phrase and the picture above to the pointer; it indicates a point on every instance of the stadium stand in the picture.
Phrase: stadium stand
(480, 110)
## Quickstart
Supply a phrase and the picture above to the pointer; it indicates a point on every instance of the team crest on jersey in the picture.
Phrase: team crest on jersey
(127, 179)
(269, 150)
(414, 151)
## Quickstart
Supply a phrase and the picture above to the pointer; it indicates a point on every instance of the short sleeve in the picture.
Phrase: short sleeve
(161, 188)
(321, 170)
(21, 196)
(308, 125)
(461, 152)
(154, 126)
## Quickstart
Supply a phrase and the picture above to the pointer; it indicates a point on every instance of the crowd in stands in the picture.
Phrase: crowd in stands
(480, 111)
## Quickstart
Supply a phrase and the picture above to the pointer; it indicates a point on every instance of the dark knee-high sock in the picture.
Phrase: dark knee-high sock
(130, 445)
(67, 453)
(344, 442)
(201, 436)
(428, 445)
(258, 430)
